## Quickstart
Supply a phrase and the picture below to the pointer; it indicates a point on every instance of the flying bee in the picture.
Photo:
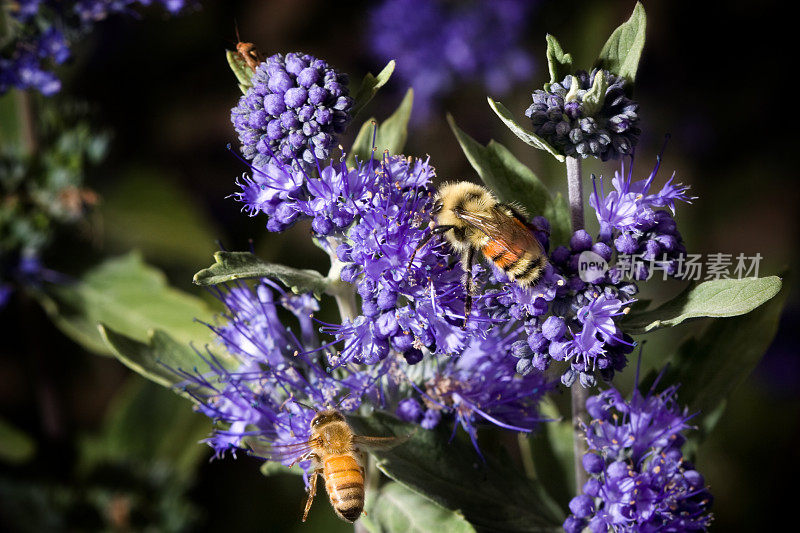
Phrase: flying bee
(473, 220)
(337, 454)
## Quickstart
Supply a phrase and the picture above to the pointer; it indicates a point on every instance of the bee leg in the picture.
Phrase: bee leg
(466, 262)
(312, 491)
(435, 231)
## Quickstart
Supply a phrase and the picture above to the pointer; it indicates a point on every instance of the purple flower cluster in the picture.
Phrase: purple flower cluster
(259, 391)
(440, 45)
(639, 480)
(633, 220)
(480, 385)
(252, 391)
(373, 217)
(579, 323)
(564, 120)
(292, 113)
(40, 37)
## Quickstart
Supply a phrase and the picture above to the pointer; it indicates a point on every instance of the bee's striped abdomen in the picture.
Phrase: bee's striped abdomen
(529, 271)
(344, 481)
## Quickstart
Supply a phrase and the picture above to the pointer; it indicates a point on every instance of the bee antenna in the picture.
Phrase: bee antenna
(236, 27)
(306, 406)
(339, 403)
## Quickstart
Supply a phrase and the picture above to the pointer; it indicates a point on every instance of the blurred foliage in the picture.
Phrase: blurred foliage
(129, 296)
(15, 446)
(46, 147)
(173, 229)
(131, 475)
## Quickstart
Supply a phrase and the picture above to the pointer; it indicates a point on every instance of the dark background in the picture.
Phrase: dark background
(713, 75)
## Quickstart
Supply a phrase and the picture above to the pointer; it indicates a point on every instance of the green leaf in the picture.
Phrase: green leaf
(552, 449)
(362, 145)
(230, 266)
(596, 95)
(160, 356)
(16, 447)
(503, 173)
(243, 73)
(392, 134)
(622, 51)
(130, 297)
(10, 123)
(369, 87)
(390, 137)
(710, 366)
(528, 137)
(492, 496)
(398, 510)
(716, 298)
(512, 181)
(173, 430)
(559, 63)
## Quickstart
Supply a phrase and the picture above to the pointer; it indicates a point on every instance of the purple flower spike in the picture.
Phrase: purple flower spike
(639, 478)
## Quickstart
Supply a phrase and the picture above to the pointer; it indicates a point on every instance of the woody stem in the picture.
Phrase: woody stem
(579, 393)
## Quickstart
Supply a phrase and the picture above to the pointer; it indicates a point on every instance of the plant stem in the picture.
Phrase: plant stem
(27, 122)
(579, 393)
(344, 293)
(575, 191)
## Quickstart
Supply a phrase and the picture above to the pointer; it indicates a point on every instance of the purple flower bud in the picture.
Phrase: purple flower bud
(580, 241)
(524, 367)
(308, 77)
(625, 244)
(274, 105)
(603, 250)
(560, 255)
(581, 506)
(574, 525)
(370, 308)
(413, 356)
(592, 487)
(537, 342)
(295, 97)
(321, 225)
(520, 349)
(387, 299)
(592, 463)
(568, 377)
(403, 342)
(431, 418)
(350, 272)
(554, 328)
(386, 325)
(409, 410)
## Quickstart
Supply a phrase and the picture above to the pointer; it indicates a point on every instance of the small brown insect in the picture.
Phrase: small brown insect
(248, 52)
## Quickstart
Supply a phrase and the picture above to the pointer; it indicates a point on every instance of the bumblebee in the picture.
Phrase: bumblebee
(473, 221)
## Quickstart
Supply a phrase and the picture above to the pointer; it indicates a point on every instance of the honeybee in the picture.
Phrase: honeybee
(337, 454)
(473, 220)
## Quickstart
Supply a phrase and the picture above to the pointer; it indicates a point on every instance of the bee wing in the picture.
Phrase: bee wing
(379, 443)
(510, 232)
(281, 453)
